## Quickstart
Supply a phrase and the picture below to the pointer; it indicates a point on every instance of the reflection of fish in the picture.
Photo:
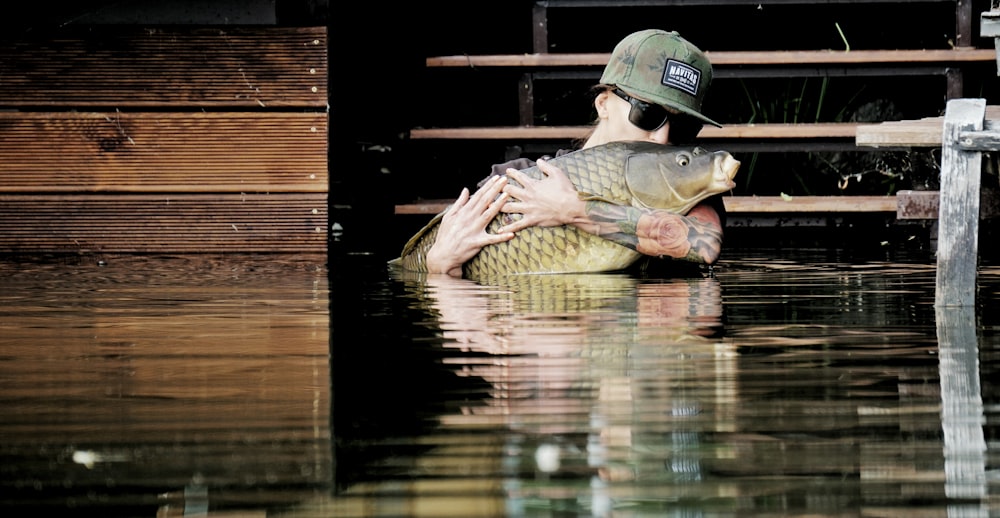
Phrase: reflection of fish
(641, 174)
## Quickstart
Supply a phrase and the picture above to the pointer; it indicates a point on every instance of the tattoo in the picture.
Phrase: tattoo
(615, 222)
(696, 237)
(706, 242)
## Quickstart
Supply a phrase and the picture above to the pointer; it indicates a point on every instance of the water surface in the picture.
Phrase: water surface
(784, 381)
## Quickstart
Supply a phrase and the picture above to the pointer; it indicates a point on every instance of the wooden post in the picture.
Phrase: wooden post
(958, 216)
(989, 27)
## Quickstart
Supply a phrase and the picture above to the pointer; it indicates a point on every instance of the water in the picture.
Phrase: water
(159, 386)
(787, 382)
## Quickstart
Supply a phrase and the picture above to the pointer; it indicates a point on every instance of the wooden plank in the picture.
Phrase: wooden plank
(765, 204)
(911, 133)
(781, 131)
(422, 207)
(733, 58)
(169, 222)
(163, 152)
(668, 3)
(958, 219)
(925, 204)
(736, 204)
(501, 133)
(730, 131)
(924, 132)
(981, 140)
(133, 66)
(917, 204)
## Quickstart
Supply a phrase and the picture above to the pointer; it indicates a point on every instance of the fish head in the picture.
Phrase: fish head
(677, 178)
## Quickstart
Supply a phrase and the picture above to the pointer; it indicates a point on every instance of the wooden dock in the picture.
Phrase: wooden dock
(164, 139)
(968, 128)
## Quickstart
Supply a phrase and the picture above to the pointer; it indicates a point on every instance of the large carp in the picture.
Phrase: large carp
(641, 174)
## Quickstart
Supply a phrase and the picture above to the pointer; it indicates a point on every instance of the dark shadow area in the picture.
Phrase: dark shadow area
(390, 383)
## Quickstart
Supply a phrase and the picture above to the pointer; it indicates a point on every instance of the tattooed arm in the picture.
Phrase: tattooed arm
(552, 201)
(696, 237)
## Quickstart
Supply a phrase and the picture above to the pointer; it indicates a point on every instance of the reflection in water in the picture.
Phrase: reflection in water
(961, 404)
(775, 386)
(785, 383)
(568, 384)
(163, 386)
(570, 362)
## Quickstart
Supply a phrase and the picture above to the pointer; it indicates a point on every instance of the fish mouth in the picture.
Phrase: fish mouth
(730, 166)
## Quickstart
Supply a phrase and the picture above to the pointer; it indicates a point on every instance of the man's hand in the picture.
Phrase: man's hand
(549, 202)
(462, 231)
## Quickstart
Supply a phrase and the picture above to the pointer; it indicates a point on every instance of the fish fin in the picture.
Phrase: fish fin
(586, 196)
(412, 243)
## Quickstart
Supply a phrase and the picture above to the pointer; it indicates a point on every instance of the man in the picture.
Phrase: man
(651, 90)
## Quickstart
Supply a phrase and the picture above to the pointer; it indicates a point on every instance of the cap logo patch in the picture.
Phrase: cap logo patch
(682, 76)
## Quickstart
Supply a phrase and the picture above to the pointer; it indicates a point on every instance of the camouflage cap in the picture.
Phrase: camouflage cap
(663, 68)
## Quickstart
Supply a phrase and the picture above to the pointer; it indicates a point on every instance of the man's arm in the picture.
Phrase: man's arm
(462, 231)
(696, 237)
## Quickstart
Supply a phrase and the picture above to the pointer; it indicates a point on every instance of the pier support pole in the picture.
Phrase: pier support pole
(958, 216)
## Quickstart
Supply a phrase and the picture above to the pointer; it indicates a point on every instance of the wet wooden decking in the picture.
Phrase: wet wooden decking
(164, 139)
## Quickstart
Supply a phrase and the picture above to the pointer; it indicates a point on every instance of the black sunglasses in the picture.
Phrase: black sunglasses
(645, 116)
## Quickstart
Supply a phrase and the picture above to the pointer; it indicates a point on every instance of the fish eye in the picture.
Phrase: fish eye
(683, 159)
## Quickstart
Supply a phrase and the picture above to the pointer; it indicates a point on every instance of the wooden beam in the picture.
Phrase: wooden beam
(422, 207)
(720, 3)
(163, 152)
(845, 130)
(736, 204)
(924, 132)
(168, 222)
(926, 204)
(980, 140)
(130, 66)
(733, 58)
(783, 204)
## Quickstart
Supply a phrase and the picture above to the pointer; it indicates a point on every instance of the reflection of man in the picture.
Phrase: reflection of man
(482, 317)
(607, 357)
(693, 306)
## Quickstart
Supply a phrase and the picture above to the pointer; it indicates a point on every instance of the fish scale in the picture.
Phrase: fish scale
(608, 172)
